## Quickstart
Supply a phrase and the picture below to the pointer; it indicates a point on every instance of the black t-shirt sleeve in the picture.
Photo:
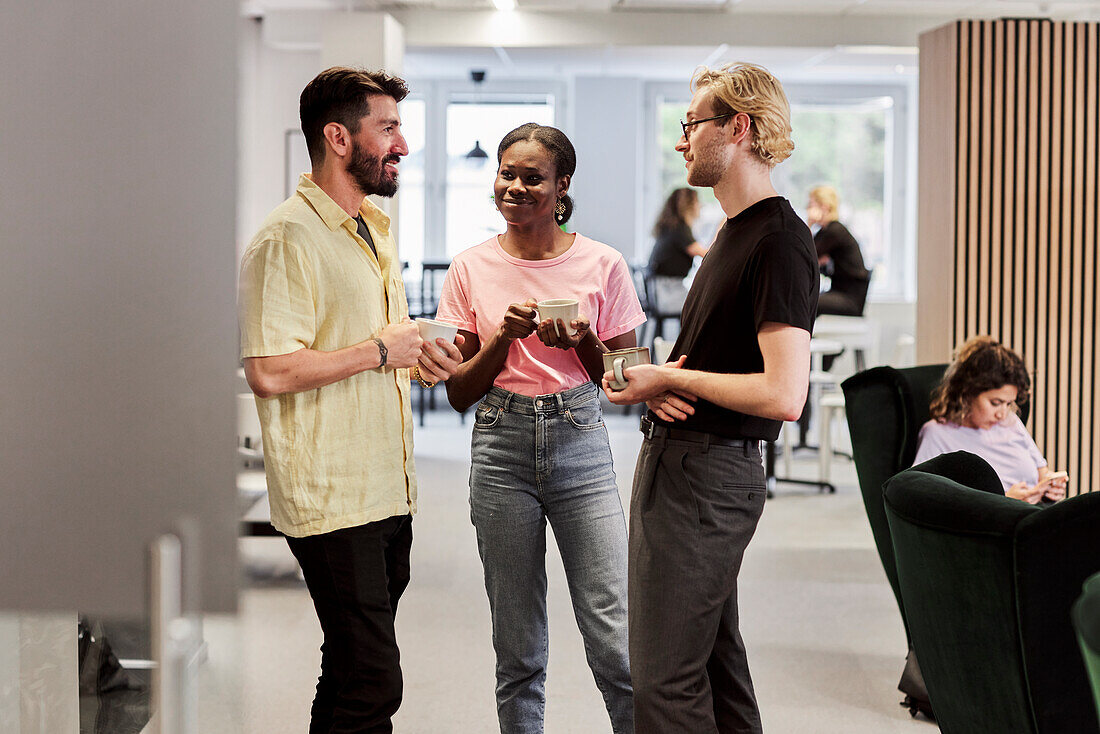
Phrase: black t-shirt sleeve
(785, 282)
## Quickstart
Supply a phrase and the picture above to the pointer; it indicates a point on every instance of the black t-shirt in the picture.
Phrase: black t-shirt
(670, 256)
(761, 268)
(849, 273)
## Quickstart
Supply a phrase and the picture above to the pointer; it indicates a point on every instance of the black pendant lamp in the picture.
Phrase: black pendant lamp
(477, 153)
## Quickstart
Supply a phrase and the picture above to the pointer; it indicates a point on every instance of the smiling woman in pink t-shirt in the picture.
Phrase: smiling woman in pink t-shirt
(540, 449)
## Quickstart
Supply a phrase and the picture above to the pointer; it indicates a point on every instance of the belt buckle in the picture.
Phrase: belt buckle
(648, 427)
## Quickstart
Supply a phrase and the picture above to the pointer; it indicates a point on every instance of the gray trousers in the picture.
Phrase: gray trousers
(693, 509)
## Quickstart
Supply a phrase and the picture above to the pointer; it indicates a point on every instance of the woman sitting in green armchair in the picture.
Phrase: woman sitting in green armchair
(974, 409)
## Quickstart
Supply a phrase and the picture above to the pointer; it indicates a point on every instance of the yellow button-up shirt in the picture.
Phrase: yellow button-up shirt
(340, 455)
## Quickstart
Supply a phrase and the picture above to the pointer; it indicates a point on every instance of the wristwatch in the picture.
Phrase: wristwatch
(382, 351)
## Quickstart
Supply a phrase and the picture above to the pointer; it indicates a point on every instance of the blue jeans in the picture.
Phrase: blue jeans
(533, 460)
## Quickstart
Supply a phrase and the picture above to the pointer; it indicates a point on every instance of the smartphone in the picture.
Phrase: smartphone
(1052, 476)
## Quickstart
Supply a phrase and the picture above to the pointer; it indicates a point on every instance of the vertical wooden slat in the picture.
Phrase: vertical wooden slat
(1029, 205)
(1090, 438)
(1000, 248)
(1017, 54)
(1071, 278)
(962, 185)
(1042, 191)
(982, 244)
(1054, 407)
(938, 203)
(993, 159)
(973, 166)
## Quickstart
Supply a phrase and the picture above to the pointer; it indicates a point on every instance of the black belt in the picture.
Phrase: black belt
(652, 430)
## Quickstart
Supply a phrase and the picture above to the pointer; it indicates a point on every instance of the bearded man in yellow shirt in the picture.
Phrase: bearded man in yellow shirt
(328, 348)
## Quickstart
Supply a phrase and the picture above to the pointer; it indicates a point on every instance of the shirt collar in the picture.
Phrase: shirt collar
(332, 215)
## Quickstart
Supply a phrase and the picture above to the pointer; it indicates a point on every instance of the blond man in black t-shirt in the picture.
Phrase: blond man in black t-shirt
(738, 370)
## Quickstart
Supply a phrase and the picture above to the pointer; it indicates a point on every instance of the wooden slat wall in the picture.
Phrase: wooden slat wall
(1026, 206)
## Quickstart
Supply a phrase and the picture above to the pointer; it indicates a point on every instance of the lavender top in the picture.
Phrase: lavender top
(1007, 447)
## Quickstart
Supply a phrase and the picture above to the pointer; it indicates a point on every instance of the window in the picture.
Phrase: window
(472, 216)
(844, 146)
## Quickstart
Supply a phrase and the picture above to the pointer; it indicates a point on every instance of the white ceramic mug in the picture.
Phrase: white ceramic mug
(430, 330)
(565, 309)
(618, 360)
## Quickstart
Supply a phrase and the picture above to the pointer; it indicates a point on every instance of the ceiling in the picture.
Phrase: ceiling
(663, 62)
(659, 39)
(1059, 9)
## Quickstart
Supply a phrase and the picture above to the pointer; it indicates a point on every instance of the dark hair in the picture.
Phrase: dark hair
(672, 213)
(341, 94)
(981, 364)
(557, 145)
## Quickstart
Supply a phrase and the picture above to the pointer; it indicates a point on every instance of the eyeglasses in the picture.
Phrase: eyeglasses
(686, 125)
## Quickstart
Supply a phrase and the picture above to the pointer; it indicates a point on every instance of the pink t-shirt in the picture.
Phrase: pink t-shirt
(1007, 447)
(484, 280)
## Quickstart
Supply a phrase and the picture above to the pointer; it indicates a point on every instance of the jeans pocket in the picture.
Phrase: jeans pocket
(586, 417)
(487, 416)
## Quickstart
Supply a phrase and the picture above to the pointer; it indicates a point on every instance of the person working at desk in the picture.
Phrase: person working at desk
(838, 255)
(743, 361)
(327, 347)
(974, 409)
(674, 249)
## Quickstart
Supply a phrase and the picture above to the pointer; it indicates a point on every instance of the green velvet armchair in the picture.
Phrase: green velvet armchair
(987, 583)
(1086, 620)
(885, 408)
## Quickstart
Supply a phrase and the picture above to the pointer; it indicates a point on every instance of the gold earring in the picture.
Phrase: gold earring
(559, 210)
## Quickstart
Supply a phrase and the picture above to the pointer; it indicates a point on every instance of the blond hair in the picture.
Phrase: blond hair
(755, 91)
(827, 198)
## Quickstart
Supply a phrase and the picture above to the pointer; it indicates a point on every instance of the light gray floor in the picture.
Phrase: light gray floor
(824, 636)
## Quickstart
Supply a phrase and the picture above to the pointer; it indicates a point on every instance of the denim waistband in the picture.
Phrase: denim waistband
(558, 402)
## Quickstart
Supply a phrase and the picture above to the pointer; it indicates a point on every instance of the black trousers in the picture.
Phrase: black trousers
(693, 509)
(355, 577)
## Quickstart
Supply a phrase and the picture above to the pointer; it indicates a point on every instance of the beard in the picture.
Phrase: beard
(370, 173)
(707, 166)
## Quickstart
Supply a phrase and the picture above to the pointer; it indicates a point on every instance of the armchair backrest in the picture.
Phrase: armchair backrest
(886, 408)
(987, 584)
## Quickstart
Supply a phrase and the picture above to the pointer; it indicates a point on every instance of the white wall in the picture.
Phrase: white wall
(607, 133)
(271, 81)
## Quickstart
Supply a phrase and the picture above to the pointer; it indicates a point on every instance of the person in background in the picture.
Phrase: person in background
(540, 450)
(327, 347)
(740, 367)
(838, 255)
(674, 249)
(974, 409)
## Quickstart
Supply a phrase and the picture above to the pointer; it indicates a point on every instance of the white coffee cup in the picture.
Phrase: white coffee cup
(430, 330)
(565, 309)
(618, 360)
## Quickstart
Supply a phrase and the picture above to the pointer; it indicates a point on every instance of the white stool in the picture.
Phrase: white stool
(830, 404)
(854, 332)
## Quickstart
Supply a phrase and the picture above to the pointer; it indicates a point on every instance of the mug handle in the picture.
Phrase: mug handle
(617, 368)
